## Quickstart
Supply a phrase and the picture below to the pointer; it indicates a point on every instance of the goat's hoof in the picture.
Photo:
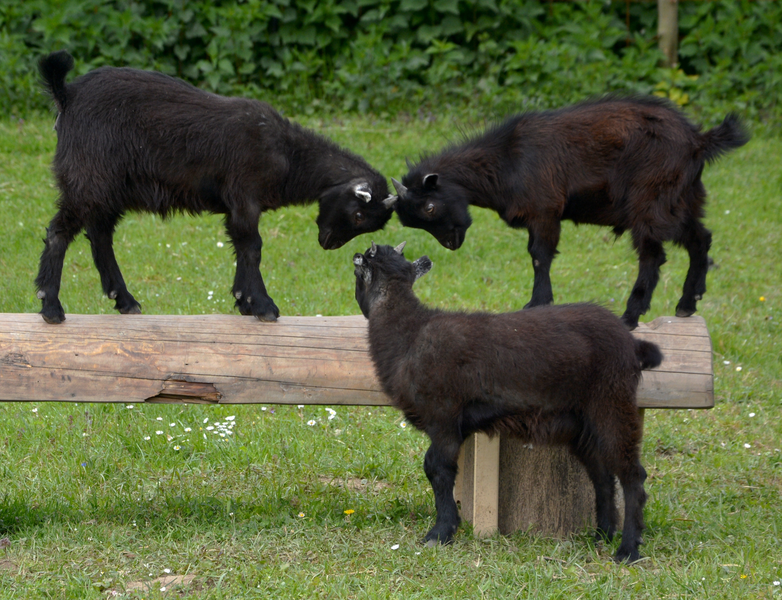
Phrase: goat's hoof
(53, 314)
(630, 322)
(604, 536)
(266, 310)
(135, 309)
(443, 535)
(627, 556)
(269, 317)
(432, 543)
(53, 319)
(261, 307)
(684, 312)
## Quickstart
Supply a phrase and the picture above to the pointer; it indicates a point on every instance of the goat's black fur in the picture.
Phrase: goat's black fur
(630, 163)
(130, 140)
(552, 374)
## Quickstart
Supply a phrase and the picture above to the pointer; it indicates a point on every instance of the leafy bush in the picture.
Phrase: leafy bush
(386, 56)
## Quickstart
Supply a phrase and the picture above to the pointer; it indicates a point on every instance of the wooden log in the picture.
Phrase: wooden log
(230, 359)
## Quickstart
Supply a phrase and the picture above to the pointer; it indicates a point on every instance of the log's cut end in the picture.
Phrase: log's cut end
(685, 379)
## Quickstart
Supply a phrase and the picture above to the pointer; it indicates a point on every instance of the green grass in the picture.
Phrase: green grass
(90, 506)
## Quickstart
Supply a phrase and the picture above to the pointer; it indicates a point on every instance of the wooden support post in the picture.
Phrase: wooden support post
(478, 482)
(668, 30)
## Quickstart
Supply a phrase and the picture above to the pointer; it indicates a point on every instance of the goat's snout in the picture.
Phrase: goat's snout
(325, 240)
(454, 239)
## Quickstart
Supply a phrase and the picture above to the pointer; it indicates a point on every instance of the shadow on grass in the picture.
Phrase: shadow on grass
(21, 515)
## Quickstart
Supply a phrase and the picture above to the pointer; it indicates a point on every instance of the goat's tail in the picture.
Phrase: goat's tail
(648, 354)
(53, 69)
(728, 135)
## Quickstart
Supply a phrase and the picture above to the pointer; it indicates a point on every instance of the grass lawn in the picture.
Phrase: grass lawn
(102, 500)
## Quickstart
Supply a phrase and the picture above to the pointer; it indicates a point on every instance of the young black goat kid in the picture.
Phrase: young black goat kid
(130, 140)
(629, 163)
(550, 375)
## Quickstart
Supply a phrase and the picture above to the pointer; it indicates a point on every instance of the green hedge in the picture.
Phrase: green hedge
(387, 56)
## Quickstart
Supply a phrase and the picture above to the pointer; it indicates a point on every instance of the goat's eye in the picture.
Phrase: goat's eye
(358, 217)
(429, 209)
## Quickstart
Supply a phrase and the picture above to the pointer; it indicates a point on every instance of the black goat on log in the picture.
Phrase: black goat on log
(552, 374)
(130, 140)
(629, 163)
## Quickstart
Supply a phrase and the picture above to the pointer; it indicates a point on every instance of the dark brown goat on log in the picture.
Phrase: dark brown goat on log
(130, 140)
(549, 375)
(629, 163)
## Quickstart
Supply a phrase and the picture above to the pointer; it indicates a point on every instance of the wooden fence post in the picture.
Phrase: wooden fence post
(668, 30)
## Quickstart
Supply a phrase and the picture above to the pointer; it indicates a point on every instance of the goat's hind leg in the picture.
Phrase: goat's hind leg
(101, 237)
(632, 480)
(584, 449)
(616, 438)
(696, 239)
(440, 466)
(542, 247)
(605, 498)
(63, 228)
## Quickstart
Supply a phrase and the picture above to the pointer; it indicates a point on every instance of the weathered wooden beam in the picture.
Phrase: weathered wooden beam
(230, 359)
(222, 359)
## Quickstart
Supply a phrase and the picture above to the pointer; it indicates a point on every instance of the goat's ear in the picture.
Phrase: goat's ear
(363, 191)
(430, 181)
(362, 269)
(422, 267)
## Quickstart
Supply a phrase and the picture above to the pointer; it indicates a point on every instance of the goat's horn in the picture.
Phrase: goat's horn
(372, 250)
(400, 248)
(390, 200)
(400, 189)
(361, 190)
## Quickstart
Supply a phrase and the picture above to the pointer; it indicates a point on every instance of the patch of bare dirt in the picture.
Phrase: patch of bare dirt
(8, 565)
(162, 584)
(354, 484)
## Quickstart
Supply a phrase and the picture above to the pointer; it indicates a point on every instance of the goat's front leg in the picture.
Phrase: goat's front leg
(440, 466)
(651, 257)
(249, 289)
(542, 247)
